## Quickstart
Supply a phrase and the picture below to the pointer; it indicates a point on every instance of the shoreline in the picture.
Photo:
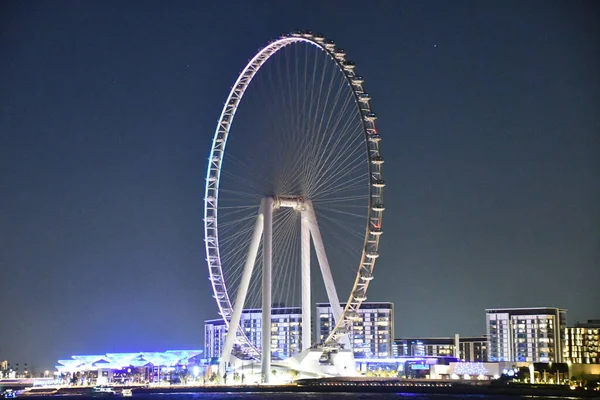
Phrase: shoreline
(344, 386)
(453, 389)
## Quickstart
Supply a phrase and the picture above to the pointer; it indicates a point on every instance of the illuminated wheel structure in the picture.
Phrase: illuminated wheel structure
(300, 161)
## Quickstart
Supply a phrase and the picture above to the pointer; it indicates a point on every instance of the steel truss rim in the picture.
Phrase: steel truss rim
(375, 200)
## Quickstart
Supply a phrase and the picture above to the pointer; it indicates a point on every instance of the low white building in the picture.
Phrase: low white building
(470, 370)
(138, 367)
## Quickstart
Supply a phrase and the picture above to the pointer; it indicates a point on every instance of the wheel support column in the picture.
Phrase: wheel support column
(332, 295)
(266, 289)
(240, 299)
(305, 260)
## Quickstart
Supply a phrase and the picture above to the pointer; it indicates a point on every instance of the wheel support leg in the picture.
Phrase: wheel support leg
(240, 298)
(266, 289)
(305, 259)
(334, 301)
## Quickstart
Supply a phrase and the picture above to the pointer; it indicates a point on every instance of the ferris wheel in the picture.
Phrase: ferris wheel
(295, 159)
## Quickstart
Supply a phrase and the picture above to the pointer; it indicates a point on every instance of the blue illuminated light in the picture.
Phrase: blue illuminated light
(123, 361)
(402, 359)
(470, 368)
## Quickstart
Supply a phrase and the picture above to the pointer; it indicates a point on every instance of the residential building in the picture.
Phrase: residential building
(4, 371)
(526, 334)
(582, 343)
(371, 333)
(214, 337)
(286, 332)
(471, 348)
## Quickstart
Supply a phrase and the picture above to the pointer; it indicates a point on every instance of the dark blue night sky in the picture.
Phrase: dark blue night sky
(489, 112)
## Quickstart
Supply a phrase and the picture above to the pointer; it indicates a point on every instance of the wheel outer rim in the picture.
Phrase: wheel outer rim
(211, 193)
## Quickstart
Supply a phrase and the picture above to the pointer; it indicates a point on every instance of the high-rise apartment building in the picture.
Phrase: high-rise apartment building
(286, 332)
(372, 332)
(471, 348)
(582, 343)
(526, 334)
(214, 337)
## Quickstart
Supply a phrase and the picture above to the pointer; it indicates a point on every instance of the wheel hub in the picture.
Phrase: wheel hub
(295, 202)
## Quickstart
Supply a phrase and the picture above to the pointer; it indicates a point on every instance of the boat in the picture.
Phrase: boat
(39, 391)
(127, 392)
(9, 394)
(103, 391)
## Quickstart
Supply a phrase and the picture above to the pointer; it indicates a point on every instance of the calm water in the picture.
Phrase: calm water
(306, 396)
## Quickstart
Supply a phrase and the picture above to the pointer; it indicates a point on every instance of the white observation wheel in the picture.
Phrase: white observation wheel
(315, 162)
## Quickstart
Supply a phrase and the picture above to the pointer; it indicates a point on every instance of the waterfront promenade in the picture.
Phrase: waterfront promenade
(336, 385)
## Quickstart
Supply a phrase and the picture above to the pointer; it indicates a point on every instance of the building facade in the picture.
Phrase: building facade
(473, 348)
(214, 337)
(139, 367)
(286, 332)
(582, 343)
(371, 334)
(4, 371)
(470, 348)
(526, 334)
